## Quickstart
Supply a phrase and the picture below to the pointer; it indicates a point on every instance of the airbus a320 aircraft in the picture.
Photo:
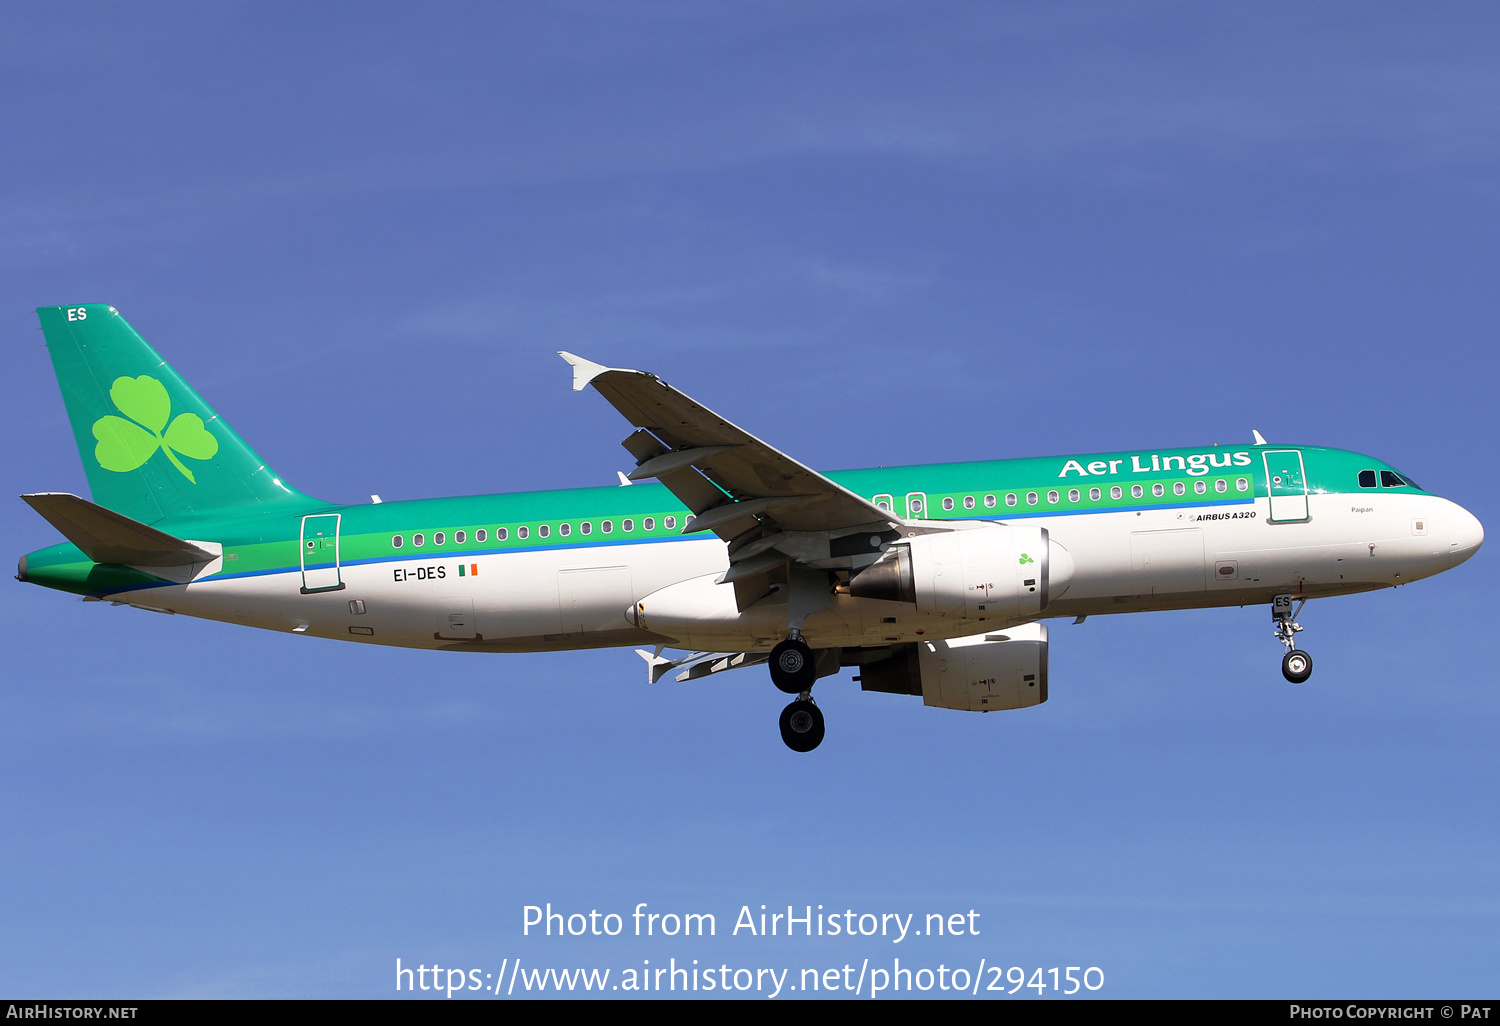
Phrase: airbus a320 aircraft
(931, 580)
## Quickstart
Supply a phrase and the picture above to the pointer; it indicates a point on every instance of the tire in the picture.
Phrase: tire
(793, 668)
(802, 726)
(1296, 666)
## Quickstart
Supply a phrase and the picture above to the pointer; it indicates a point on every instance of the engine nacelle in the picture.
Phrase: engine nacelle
(999, 571)
(981, 673)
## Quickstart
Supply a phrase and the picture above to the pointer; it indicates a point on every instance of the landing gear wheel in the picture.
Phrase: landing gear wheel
(793, 669)
(1296, 666)
(802, 726)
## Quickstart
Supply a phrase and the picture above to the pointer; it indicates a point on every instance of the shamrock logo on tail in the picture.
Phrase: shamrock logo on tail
(126, 445)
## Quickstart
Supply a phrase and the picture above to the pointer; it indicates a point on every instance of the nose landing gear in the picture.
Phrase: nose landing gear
(1296, 665)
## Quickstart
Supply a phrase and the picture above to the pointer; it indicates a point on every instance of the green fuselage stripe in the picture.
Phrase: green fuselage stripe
(258, 544)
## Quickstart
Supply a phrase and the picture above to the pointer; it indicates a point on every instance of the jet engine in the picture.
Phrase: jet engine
(980, 673)
(998, 571)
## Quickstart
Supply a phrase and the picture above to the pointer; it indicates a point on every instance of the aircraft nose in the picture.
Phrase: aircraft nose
(1465, 537)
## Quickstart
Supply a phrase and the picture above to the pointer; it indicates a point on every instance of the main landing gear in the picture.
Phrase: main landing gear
(802, 725)
(793, 670)
(1296, 665)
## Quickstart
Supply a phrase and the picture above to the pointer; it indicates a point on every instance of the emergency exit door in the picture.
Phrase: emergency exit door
(320, 553)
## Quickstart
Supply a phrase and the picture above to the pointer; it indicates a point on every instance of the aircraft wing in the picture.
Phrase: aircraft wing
(769, 508)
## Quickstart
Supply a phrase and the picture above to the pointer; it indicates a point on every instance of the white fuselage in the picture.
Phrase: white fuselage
(584, 598)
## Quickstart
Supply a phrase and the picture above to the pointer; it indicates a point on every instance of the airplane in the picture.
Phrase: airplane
(931, 580)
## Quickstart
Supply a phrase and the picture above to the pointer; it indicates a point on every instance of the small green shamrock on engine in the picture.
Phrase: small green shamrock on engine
(1026, 559)
(126, 445)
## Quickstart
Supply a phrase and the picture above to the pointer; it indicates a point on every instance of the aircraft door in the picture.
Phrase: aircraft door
(594, 598)
(916, 505)
(1286, 483)
(320, 553)
(455, 619)
(1169, 562)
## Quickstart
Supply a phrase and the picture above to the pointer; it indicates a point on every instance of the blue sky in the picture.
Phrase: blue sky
(871, 233)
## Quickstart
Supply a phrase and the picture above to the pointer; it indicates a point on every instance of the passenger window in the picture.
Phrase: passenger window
(607, 527)
(564, 529)
(1072, 494)
(439, 537)
(1136, 491)
(1389, 480)
(989, 502)
(418, 540)
(1200, 487)
(968, 502)
(1052, 497)
(481, 535)
(1221, 485)
(1115, 492)
(543, 531)
(1031, 498)
(1010, 499)
(669, 522)
(397, 542)
(586, 527)
(1243, 484)
(1367, 479)
(1095, 494)
(649, 523)
(1178, 488)
(459, 537)
(500, 533)
(627, 525)
(521, 533)
(947, 505)
(1158, 490)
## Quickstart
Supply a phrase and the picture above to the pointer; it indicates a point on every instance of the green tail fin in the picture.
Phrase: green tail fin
(151, 447)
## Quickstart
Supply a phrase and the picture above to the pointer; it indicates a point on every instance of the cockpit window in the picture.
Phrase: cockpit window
(1367, 479)
(1390, 480)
